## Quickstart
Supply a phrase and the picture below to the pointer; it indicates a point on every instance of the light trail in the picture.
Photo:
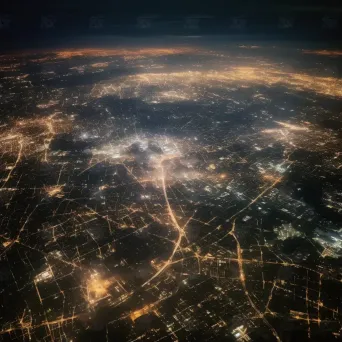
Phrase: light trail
(256, 198)
(243, 283)
(15, 164)
(176, 226)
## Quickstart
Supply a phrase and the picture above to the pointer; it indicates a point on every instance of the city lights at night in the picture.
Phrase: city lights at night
(152, 193)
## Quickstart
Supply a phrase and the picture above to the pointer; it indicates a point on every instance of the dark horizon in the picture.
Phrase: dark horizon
(175, 7)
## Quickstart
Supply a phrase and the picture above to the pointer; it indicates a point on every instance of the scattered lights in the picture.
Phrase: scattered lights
(286, 231)
(44, 276)
(164, 195)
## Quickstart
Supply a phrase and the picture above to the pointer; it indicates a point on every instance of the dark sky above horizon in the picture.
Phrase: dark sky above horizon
(217, 7)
